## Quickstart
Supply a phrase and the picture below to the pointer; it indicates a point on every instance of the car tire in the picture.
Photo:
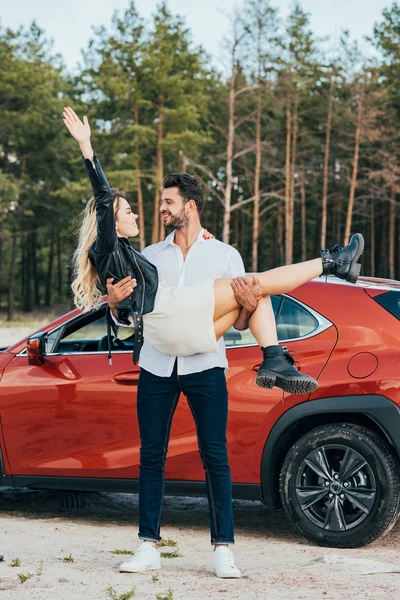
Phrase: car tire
(340, 486)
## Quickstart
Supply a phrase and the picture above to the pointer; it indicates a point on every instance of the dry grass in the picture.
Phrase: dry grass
(34, 319)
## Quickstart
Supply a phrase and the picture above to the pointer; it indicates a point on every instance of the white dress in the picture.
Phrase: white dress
(182, 322)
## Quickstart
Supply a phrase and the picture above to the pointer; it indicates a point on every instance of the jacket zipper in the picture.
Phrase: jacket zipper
(143, 281)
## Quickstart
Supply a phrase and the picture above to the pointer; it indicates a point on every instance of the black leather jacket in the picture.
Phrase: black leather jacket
(113, 256)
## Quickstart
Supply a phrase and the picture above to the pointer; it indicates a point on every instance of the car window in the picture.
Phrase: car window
(88, 333)
(294, 322)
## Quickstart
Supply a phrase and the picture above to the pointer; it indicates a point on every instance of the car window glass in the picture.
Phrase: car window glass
(88, 333)
(294, 321)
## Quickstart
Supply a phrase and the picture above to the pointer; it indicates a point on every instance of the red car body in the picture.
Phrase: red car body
(70, 422)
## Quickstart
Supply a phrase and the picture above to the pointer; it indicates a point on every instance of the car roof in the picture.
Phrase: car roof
(363, 282)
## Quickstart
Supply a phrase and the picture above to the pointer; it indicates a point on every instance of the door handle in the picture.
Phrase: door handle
(129, 378)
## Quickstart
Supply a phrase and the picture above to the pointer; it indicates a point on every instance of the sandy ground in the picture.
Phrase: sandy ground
(38, 528)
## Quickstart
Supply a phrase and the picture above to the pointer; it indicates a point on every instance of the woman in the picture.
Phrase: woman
(166, 315)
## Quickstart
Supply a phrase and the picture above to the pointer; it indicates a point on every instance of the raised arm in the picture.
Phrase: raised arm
(107, 239)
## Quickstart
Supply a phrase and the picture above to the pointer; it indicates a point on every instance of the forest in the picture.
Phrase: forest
(295, 139)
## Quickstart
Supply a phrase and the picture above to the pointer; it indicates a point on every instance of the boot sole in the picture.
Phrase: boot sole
(355, 267)
(294, 386)
(266, 381)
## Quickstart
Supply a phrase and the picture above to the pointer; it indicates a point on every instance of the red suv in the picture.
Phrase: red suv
(68, 418)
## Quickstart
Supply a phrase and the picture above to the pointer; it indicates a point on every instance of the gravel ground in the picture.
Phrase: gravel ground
(44, 528)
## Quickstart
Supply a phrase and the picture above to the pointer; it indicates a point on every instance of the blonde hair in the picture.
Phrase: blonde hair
(86, 281)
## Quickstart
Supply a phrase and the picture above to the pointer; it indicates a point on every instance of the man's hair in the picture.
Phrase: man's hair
(189, 187)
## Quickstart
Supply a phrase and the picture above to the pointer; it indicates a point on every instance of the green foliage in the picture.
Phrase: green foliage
(167, 542)
(67, 559)
(137, 75)
(168, 596)
(16, 562)
(24, 577)
(114, 595)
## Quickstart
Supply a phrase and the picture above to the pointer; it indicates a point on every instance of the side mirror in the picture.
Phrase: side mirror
(36, 348)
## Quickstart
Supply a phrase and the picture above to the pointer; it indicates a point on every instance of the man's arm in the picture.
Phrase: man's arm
(235, 268)
(117, 293)
(247, 291)
(123, 289)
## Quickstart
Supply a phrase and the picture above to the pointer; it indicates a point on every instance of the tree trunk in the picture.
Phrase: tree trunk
(156, 235)
(279, 252)
(142, 238)
(27, 292)
(326, 166)
(70, 295)
(353, 183)
(303, 214)
(339, 208)
(287, 183)
(256, 212)
(289, 232)
(23, 268)
(229, 158)
(49, 274)
(34, 264)
(10, 309)
(383, 264)
(1, 264)
(372, 240)
(59, 266)
(236, 230)
(392, 230)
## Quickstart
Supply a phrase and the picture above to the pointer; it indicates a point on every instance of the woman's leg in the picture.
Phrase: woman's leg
(276, 368)
(262, 323)
(276, 281)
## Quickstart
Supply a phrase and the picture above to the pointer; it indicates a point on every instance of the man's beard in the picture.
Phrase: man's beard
(178, 221)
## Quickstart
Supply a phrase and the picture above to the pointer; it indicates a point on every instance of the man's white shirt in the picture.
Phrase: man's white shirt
(206, 259)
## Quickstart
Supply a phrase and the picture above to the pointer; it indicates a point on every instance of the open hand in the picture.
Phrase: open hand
(207, 235)
(119, 291)
(80, 131)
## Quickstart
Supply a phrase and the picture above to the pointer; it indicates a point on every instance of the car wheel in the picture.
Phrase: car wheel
(340, 486)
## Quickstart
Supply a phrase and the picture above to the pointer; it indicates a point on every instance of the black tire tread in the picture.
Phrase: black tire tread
(377, 528)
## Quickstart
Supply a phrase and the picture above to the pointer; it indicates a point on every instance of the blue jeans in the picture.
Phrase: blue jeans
(157, 399)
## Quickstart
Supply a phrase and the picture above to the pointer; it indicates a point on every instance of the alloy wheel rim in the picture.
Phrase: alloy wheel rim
(335, 487)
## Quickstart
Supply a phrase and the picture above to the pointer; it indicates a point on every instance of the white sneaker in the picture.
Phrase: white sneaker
(223, 563)
(146, 558)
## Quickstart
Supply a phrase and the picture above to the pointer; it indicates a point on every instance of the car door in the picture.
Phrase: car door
(74, 415)
(253, 410)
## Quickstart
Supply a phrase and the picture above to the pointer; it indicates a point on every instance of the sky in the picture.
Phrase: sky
(69, 23)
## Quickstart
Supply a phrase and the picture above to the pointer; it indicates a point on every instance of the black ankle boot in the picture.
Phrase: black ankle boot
(342, 262)
(277, 369)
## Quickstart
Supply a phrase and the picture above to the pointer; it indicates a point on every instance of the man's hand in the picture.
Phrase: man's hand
(247, 290)
(119, 291)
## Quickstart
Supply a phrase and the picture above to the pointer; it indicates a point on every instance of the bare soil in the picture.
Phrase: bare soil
(43, 528)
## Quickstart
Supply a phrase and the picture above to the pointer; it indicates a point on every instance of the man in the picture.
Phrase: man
(185, 258)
